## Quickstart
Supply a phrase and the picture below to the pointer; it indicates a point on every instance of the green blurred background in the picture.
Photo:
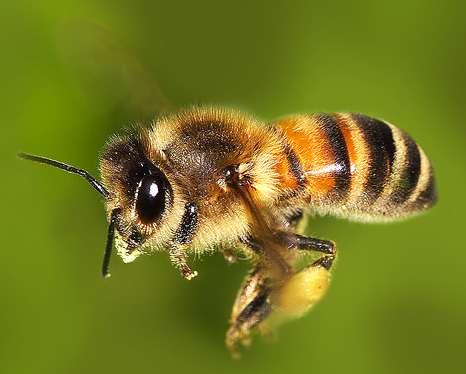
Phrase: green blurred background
(75, 72)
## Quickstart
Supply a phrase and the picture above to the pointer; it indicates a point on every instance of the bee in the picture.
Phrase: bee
(212, 178)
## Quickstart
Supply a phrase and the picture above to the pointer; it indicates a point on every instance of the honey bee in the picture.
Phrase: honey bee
(211, 178)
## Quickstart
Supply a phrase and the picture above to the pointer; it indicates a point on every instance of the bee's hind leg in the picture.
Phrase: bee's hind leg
(303, 289)
(306, 287)
(261, 300)
(265, 299)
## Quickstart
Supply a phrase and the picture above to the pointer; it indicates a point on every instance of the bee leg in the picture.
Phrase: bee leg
(306, 287)
(292, 240)
(262, 304)
(303, 290)
(251, 307)
(183, 236)
(179, 260)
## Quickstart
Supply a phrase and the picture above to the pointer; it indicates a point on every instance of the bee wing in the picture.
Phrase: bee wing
(97, 53)
(276, 255)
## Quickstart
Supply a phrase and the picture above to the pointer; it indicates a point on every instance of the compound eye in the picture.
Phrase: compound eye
(153, 195)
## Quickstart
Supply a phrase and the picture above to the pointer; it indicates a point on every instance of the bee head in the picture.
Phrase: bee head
(138, 195)
(139, 188)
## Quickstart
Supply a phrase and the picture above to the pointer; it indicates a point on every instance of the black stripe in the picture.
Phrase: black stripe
(379, 138)
(342, 172)
(294, 164)
(410, 174)
(188, 225)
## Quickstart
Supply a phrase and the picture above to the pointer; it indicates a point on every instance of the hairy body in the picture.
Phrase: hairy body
(346, 165)
(214, 178)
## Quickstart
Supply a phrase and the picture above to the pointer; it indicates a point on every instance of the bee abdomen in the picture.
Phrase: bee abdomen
(360, 167)
(399, 179)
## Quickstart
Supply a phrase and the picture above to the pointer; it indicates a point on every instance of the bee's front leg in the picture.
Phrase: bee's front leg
(179, 260)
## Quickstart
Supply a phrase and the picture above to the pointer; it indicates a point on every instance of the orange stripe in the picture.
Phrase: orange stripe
(313, 150)
(350, 147)
(287, 179)
(359, 155)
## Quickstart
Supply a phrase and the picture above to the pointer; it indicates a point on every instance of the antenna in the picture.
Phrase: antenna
(109, 245)
(68, 168)
(99, 188)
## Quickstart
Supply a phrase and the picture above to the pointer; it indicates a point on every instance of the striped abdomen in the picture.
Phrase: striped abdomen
(358, 167)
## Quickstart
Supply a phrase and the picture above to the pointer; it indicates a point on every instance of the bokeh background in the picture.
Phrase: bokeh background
(75, 72)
